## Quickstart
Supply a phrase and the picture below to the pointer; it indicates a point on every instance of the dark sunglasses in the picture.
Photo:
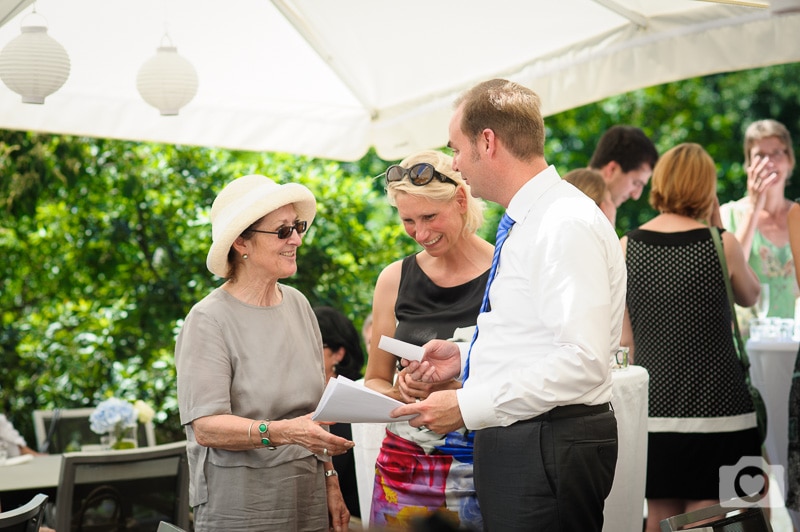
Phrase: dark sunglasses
(286, 230)
(420, 174)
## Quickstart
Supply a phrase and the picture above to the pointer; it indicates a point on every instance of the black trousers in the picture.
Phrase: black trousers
(549, 473)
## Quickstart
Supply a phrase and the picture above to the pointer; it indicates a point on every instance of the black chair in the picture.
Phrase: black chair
(750, 519)
(130, 490)
(26, 518)
(57, 429)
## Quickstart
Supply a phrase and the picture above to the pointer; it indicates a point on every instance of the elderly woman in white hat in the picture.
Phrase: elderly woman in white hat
(250, 371)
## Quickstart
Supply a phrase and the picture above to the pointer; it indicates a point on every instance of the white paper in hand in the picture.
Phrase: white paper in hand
(345, 401)
(401, 348)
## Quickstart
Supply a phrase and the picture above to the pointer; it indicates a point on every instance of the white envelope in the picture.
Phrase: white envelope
(401, 348)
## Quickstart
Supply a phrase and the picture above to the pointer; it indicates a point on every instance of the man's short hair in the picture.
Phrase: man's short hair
(628, 146)
(509, 109)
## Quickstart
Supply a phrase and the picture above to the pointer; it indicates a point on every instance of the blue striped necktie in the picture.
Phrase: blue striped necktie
(502, 233)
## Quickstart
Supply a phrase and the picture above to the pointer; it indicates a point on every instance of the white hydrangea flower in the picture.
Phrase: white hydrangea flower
(112, 413)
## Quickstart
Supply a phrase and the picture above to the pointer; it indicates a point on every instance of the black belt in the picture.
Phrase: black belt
(567, 411)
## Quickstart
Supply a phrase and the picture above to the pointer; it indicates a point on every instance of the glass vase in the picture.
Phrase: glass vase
(122, 438)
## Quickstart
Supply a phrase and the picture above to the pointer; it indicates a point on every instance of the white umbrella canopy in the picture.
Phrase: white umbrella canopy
(330, 79)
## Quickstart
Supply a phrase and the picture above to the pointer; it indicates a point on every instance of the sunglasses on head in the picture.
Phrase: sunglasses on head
(420, 174)
(285, 231)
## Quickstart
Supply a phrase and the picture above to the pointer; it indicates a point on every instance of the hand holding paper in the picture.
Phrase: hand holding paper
(442, 362)
(440, 412)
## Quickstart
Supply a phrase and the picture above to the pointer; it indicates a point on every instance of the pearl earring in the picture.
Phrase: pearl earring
(244, 256)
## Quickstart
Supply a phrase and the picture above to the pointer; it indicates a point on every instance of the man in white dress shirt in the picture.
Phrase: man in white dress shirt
(539, 381)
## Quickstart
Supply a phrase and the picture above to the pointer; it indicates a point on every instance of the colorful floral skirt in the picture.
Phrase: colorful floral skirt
(414, 480)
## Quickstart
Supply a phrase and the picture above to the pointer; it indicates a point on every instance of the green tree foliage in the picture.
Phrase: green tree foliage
(104, 242)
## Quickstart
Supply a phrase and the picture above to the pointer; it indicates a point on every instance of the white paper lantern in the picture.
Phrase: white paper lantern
(34, 64)
(167, 81)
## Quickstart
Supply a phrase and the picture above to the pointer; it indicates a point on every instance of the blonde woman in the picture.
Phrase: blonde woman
(435, 293)
(591, 183)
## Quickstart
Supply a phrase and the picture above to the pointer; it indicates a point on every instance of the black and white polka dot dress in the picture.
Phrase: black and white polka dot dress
(700, 413)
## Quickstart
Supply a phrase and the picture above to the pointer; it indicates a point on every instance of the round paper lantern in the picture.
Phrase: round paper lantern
(167, 81)
(34, 64)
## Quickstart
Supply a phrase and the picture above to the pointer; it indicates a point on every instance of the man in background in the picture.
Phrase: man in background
(625, 156)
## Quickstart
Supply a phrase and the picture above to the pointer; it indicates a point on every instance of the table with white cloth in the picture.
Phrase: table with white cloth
(624, 505)
(623, 508)
(771, 369)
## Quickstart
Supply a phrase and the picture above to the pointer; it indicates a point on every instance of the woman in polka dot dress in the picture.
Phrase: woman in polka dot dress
(678, 320)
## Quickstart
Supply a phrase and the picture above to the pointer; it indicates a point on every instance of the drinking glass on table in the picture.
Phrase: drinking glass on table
(622, 357)
(787, 329)
(758, 328)
(762, 305)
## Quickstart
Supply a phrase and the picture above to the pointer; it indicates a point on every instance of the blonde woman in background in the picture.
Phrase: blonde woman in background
(435, 293)
(591, 183)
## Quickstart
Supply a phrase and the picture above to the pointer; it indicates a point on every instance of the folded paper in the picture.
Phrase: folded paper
(345, 401)
(401, 348)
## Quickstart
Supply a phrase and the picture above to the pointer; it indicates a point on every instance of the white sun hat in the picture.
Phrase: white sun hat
(242, 202)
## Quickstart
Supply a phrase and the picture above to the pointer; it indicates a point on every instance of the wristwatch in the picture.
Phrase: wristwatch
(331, 473)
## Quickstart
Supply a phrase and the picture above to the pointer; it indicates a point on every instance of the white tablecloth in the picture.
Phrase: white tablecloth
(624, 504)
(771, 369)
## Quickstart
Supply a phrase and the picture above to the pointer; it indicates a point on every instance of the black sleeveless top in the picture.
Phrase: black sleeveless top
(681, 322)
(425, 311)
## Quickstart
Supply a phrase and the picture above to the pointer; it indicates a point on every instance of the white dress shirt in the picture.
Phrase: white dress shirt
(557, 304)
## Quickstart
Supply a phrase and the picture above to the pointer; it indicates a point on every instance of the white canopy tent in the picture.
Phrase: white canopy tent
(332, 78)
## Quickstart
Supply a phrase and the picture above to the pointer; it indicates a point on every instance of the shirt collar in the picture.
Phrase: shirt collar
(523, 200)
